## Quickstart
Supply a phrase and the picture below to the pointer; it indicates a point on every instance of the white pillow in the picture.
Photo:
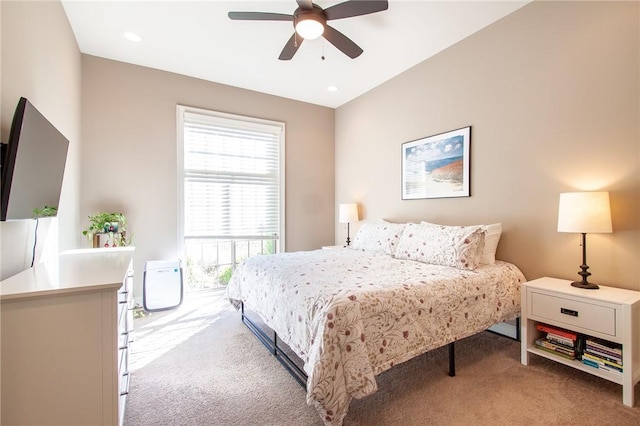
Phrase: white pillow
(456, 246)
(491, 239)
(379, 236)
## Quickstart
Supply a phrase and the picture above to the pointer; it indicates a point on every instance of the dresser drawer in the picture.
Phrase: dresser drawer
(574, 313)
(122, 317)
(123, 339)
(123, 374)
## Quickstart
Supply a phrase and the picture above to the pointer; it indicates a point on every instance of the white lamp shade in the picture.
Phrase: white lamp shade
(348, 213)
(309, 28)
(584, 212)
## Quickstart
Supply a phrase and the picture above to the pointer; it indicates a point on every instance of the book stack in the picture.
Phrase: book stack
(603, 354)
(558, 341)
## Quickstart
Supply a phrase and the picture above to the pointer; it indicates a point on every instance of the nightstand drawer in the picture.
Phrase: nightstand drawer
(588, 316)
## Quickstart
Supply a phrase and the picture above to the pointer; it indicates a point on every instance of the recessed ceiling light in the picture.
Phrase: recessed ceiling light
(132, 36)
(332, 88)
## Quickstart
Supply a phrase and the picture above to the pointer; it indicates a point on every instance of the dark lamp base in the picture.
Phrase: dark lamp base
(585, 285)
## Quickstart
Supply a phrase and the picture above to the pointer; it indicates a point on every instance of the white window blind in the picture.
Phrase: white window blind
(232, 177)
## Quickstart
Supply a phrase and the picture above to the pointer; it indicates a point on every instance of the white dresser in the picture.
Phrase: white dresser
(65, 333)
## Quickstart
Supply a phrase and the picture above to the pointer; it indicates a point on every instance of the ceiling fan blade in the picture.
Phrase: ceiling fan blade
(260, 16)
(290, 48)
(342, 42)
(355, 8)
(305, 4)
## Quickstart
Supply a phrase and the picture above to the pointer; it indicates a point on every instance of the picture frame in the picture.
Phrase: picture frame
(437, 166)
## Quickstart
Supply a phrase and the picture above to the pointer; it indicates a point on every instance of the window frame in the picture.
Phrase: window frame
(242, 122)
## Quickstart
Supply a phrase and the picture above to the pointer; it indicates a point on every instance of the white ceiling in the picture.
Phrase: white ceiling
(197, 39)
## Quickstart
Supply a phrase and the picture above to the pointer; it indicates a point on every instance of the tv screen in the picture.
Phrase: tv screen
(33, 164)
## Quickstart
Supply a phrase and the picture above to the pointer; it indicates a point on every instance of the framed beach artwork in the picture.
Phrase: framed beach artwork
(437, 166)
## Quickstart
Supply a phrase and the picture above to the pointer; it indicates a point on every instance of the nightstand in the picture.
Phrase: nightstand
(609, 313)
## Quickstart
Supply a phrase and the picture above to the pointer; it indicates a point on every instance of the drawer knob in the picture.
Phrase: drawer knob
(570, 312)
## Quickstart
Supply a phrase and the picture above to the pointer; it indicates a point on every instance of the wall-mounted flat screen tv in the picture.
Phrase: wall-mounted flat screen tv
(32, 164)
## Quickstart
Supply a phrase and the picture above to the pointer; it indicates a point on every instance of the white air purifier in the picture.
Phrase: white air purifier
(162, 285)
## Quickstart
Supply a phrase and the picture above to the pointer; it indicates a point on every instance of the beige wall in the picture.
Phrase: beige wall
(129, 153)
(41, 61)
(552, 94)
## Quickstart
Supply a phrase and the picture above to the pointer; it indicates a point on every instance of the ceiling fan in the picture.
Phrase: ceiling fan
(310, 22)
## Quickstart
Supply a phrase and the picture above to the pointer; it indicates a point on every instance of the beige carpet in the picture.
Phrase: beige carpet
(199, 365)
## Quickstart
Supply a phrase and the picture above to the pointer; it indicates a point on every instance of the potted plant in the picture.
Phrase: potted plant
(46, 211)
(113, 224)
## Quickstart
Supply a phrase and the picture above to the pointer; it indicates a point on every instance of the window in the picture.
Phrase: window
(231, 192)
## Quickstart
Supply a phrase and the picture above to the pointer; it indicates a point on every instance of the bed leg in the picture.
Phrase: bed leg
(275, 343)
(452, 360)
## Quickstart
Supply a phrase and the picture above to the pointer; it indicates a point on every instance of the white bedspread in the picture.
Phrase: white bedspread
(350, 315)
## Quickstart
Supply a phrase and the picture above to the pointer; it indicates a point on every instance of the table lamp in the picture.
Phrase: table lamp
(348, 213)
(584, 212)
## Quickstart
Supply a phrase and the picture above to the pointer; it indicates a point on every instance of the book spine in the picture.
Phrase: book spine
(562, 354)
(601, 367)
(603, 348)
(580, 345)
(561, 340)
(599, 364)
(555, 347)
(610, 369)
(590, 363)
(557, 331)
(603, 355)
(602, 361)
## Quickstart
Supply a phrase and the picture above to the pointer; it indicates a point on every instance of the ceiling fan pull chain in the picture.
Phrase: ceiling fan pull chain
(322, 49)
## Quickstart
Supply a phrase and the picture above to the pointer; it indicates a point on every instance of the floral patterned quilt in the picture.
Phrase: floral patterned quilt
(351, 315)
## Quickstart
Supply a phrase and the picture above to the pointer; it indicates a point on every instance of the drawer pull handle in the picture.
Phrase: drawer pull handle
(569, 312)
(123, 302)
(124, 393)
(123, 347)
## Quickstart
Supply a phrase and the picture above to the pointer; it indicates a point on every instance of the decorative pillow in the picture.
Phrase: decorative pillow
(491, 239)
(379, 236)
(456, 246)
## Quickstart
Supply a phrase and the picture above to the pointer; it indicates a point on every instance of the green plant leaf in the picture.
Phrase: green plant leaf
(46, 211)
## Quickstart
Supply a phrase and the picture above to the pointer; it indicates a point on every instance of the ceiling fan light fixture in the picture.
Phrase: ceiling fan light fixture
(309, 28)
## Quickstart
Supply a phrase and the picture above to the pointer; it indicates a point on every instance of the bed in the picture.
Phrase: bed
(397, 292)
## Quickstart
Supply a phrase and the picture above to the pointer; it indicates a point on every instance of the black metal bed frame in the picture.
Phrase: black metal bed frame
(271, 343)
